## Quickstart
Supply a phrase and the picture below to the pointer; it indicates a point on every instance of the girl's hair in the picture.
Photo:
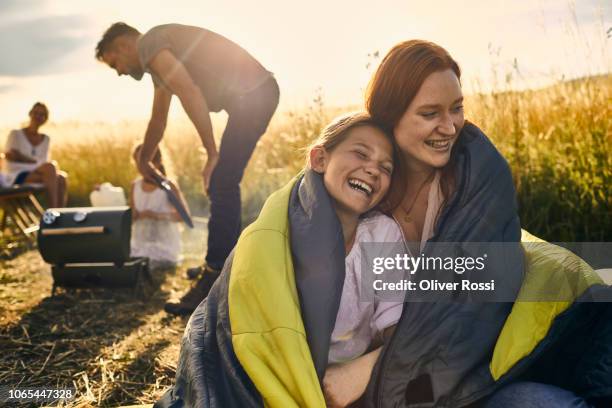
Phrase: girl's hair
(337, 132)
(397, 81)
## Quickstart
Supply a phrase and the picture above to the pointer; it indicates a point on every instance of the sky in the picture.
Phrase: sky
(315, 46)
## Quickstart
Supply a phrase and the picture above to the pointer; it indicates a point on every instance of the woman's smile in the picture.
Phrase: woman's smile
(430, 125)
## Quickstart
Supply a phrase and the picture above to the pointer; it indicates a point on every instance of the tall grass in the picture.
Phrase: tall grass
(556, 140)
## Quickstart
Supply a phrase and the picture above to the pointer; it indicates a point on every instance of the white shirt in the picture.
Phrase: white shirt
(18, 140)
(359, 321)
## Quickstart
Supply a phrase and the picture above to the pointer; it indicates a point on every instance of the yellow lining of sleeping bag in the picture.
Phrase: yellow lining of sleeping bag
(268, 333)
(529, 321)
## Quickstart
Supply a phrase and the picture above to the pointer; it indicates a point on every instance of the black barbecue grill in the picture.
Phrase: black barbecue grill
(90, 247)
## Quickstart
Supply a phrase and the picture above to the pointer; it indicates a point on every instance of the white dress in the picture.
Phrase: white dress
(18, 140)
(158, 240)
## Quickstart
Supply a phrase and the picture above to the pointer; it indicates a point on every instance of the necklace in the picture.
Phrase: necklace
(407, 217)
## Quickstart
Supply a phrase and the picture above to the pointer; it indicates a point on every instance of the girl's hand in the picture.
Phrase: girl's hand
(345, 383)
(338, 386)
(145, 214)
(157, 216)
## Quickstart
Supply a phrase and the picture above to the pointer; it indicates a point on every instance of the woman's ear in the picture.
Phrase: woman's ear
(318, 159)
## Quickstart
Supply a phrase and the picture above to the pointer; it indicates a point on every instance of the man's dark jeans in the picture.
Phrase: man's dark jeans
(248, 119)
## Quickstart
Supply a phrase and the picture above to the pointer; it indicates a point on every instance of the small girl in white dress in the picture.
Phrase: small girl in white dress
(155, 222)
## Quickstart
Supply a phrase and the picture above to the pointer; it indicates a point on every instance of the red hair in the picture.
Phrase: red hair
(393, 87)
(400, 76)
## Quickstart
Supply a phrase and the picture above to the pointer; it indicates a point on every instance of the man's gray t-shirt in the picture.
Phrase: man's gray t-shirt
(219, 67)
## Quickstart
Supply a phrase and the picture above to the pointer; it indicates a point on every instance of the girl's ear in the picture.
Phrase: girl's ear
(318, 159)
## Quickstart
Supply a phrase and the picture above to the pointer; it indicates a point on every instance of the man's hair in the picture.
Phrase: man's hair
(114, 31)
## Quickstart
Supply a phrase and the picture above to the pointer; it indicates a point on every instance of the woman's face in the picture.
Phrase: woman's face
(38, 115)
(357, 172)
(430, 126)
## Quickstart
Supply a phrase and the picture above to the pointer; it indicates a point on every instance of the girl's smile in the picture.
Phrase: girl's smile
(357, 172)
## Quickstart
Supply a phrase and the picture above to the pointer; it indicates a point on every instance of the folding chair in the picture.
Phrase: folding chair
(21, 212)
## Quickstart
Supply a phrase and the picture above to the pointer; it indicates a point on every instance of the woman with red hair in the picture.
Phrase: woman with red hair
(455, 187)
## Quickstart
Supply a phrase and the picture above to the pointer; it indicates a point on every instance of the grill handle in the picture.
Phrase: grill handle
(73, 231)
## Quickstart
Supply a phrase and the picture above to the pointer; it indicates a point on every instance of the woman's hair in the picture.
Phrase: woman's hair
(337, 132)
(400, 76)
(40, 105)
(397, 81)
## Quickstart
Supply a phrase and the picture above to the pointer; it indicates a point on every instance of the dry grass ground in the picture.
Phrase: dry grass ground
(114, 348)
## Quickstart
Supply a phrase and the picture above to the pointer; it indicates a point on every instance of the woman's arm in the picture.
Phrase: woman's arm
(11, 149)
(16, 156)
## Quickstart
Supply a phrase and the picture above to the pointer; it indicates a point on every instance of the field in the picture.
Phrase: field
(557, 141)
(114, 347)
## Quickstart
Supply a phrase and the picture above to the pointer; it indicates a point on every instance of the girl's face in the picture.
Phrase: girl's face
(430, 126)
(357, 172)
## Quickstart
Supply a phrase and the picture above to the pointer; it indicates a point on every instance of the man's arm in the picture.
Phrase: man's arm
(155, 131)
(175, 76)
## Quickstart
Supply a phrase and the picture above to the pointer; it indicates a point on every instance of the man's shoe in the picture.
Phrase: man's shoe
(195, 272)
(195, 296)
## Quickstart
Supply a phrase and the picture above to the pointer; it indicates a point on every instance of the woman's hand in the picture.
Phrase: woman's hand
(16, 156)
(345, 383)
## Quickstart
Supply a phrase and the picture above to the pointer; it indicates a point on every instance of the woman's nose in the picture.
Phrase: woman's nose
(447, 127)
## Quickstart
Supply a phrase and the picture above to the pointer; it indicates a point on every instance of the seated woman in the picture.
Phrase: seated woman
(27, 158)
(459, 189)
